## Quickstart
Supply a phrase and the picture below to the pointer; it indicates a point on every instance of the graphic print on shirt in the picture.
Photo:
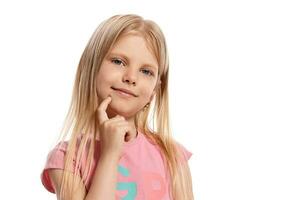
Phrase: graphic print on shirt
(154, 185)
(130, 187)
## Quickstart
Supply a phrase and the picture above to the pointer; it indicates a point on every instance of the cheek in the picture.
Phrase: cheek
(146, 94)
(103, 84)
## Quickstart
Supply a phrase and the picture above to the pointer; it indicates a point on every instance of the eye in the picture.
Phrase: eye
(147, 72)
(117, 61)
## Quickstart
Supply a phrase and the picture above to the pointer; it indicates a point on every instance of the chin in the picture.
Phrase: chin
(119, 111)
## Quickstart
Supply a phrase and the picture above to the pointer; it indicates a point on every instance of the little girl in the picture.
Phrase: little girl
(112, 153)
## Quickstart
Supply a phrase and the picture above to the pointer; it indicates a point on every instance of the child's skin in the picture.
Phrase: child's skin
(138, 73)
(116, 111)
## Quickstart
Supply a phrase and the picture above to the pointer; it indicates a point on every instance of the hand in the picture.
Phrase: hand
(112, 131)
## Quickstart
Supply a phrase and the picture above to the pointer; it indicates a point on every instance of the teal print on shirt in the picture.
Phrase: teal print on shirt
(130, 186)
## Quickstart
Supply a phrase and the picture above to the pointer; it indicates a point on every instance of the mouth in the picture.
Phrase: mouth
(124, 92)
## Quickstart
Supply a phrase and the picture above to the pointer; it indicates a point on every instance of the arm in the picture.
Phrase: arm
(112, 132)
(56, 178)
(103, 185)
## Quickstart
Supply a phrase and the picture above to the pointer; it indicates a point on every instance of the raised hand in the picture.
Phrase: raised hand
(112, 131)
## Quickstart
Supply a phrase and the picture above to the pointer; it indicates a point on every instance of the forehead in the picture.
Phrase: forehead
(134, 47)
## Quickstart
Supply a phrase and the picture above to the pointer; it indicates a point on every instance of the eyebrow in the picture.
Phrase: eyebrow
(124, 56)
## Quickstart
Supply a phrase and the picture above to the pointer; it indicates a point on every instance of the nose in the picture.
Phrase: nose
(129, 76)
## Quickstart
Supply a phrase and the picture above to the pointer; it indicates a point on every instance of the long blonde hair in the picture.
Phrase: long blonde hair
(81, 118)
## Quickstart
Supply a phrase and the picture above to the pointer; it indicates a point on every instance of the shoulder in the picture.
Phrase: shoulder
(183, 150)
(155, 139)
(55, 165)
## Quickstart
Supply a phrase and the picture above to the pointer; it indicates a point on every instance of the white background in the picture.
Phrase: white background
(234, 89)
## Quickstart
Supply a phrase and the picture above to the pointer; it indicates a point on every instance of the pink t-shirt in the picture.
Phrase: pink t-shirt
(141, 171)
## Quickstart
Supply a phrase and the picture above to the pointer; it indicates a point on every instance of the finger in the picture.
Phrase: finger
(119, 117)
(124, 125)
(121, 123)
(129, 131)
(102, 109)
(115, 119)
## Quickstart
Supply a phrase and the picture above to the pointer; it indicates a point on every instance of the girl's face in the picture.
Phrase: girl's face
(130, 65)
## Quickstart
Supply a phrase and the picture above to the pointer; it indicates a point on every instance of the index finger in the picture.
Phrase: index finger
(102, 109)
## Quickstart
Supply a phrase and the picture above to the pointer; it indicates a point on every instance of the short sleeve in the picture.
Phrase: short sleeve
(186, 153)
(55, 160)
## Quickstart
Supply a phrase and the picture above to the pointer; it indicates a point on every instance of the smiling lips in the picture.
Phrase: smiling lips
(125, 92)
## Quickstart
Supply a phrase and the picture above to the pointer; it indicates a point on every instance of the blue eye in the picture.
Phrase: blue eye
(118, 61)
(148, 72)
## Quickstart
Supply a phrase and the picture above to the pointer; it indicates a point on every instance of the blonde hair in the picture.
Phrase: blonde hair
(81, 118)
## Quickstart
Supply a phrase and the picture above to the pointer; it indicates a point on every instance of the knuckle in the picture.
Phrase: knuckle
(105, 124)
